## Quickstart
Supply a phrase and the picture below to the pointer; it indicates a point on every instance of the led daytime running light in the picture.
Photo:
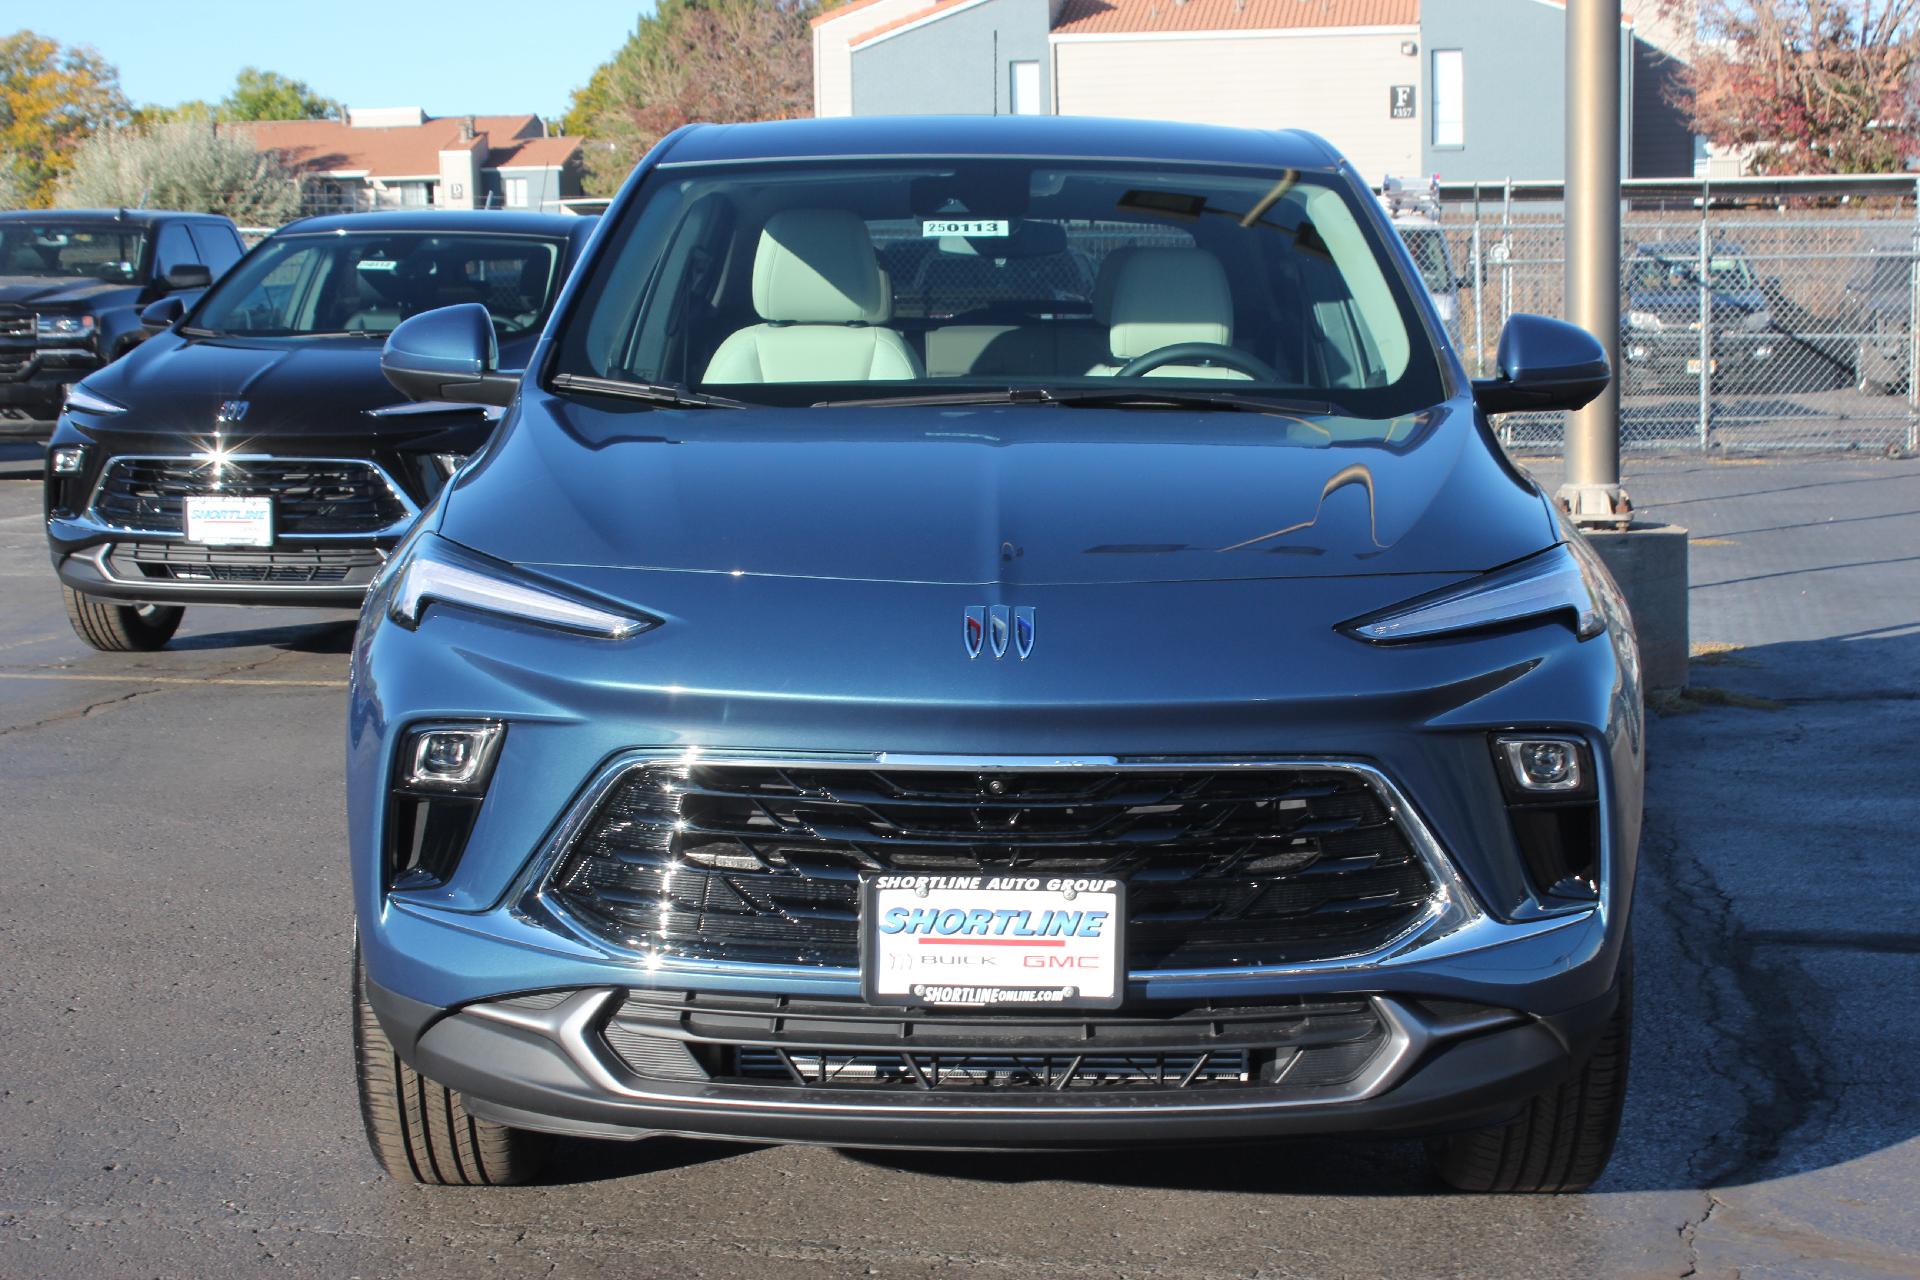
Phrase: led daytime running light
(1555, 581)
(438, 570)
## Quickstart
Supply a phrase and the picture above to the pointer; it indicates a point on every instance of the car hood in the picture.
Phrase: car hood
(38, 291)
(1014, 495)
(318, 387)
(1688, 301)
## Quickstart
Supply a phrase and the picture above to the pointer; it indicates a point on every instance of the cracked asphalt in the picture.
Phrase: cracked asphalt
(175, 1090)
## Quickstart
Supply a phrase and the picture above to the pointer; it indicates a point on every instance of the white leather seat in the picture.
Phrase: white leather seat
(1152, 298)
(824, 301)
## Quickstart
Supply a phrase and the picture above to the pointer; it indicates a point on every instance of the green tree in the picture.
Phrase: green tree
(720, 60)
(268, 95)
(52, 99)
(183, 164)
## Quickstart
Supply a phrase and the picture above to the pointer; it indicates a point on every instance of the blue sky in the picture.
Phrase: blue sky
(477, 56)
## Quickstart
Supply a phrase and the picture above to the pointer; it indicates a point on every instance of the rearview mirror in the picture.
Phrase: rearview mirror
(188, 275)
(163, 314)
(448, 354)
(1544, 364)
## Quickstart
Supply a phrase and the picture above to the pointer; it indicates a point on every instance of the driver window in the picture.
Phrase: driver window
(173, 249)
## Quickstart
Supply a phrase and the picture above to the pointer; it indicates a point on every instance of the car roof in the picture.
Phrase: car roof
(497, 220)
(1065, 137)
(125, 217)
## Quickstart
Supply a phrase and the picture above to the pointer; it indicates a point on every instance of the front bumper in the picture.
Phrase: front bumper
(1441, 1068)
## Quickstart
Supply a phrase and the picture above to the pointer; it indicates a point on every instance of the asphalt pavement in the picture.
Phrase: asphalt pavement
(175, 1074)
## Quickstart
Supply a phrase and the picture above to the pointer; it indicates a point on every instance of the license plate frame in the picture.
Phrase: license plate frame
(982, 960)
(228, 520)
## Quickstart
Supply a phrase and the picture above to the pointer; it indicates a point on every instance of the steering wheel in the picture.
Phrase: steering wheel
(1197, 353)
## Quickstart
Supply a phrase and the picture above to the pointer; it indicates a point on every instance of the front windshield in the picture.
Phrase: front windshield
(1660, 272)
(820, 282)
(315, 284)
(71, 251)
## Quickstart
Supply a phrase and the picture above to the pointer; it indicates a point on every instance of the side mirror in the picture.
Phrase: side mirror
(188, 275)
(1544, 364)
(163, 314)
(448, 354)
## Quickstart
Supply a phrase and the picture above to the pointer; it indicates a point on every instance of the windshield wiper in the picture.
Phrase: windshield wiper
(651, 392)
(1117, 398)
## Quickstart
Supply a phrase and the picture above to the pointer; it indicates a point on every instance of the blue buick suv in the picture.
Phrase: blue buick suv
(993, 634)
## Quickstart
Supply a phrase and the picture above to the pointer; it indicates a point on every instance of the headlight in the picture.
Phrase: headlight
(438, 570)
(63, 328)
(1646, 321)
(78, 397)
(1553, 582)
(1757, 320)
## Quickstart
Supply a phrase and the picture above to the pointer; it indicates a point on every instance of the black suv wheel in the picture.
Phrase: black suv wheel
(421, 1130)
(121, 628)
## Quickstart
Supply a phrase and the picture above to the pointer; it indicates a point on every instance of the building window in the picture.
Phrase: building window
(1449, 98)
(1023, 88)
(516, 193)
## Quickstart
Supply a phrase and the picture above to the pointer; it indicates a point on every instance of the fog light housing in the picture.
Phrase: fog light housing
(67, 459)
(455, 758)
(440, 780)
(1538, 765)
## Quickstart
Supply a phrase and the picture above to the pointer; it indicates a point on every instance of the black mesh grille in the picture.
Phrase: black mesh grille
(1224, 866)
(841, 1043)
(314, 566)
(308, 496)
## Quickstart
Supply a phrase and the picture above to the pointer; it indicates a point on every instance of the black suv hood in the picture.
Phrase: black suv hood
(1035, 495)
(37, 291)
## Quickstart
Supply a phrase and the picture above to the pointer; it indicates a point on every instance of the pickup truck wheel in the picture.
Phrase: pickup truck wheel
(121, 628)
(1564, 1138)
(420, 1130)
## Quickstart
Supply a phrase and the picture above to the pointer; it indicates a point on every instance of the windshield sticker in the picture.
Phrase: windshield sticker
(934, 228)
(378, 264)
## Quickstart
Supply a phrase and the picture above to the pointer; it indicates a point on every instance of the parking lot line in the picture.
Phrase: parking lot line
(143, 678)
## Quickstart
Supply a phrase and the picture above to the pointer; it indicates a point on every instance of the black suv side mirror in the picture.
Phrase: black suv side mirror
(448, 354)
(187, 275)
(163, 314)
(1544, 364)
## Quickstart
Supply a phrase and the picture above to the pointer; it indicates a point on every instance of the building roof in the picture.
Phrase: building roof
(1115, 17)
(399, 151)
(937, 9)
(542, 153)
(835, 137)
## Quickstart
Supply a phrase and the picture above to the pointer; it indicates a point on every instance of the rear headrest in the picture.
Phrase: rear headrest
(817, 266)
(1164, 296)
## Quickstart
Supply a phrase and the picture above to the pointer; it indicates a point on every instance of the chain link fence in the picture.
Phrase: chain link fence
(1769, 329)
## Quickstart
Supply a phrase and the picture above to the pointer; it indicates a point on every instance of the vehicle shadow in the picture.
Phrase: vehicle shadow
(323, 636)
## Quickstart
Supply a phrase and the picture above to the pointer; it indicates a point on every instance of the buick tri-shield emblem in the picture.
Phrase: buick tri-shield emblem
(998, 628)
(230, 411)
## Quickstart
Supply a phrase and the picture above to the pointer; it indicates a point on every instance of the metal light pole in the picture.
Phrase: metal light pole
(1592, 492)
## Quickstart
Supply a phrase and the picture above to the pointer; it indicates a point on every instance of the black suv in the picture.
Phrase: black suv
(251, 452)
(73, 283)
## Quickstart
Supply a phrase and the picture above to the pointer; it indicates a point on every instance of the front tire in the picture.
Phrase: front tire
(421, 1131)
(1564, 1138)
(121, 628)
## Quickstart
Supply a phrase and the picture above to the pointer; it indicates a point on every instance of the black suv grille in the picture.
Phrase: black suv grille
(762, 863)
(301, 566)
(150, 494)
(817, 1043)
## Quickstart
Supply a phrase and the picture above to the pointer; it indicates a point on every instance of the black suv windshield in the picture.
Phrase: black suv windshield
(71, 251)
(829, 282)
(312, 284)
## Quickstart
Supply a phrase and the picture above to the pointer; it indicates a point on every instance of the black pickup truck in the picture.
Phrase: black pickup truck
(73, 283)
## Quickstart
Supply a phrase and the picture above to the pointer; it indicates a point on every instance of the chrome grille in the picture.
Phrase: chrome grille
(311, 496)
(744, 861)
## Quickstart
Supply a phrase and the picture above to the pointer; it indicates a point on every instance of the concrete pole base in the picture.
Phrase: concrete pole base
(1649, 562)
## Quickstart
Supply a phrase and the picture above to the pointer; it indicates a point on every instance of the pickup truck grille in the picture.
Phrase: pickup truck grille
(311, 496)
(1224, 866)
(16, 324)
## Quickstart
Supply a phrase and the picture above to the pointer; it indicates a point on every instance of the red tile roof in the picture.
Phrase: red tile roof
(397, 152)
(1104, 17)
(541, 152)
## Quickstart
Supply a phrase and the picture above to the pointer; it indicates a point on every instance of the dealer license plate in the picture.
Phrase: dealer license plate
(216, 520)
(992, 940)
(1693, 365)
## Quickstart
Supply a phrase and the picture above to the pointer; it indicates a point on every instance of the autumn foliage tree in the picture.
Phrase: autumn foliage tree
(52, 99)
(725, 61)
(1807, 86)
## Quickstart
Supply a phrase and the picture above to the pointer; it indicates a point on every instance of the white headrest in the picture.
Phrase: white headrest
(1107, 281)
(1164, 296)
(816, 266)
